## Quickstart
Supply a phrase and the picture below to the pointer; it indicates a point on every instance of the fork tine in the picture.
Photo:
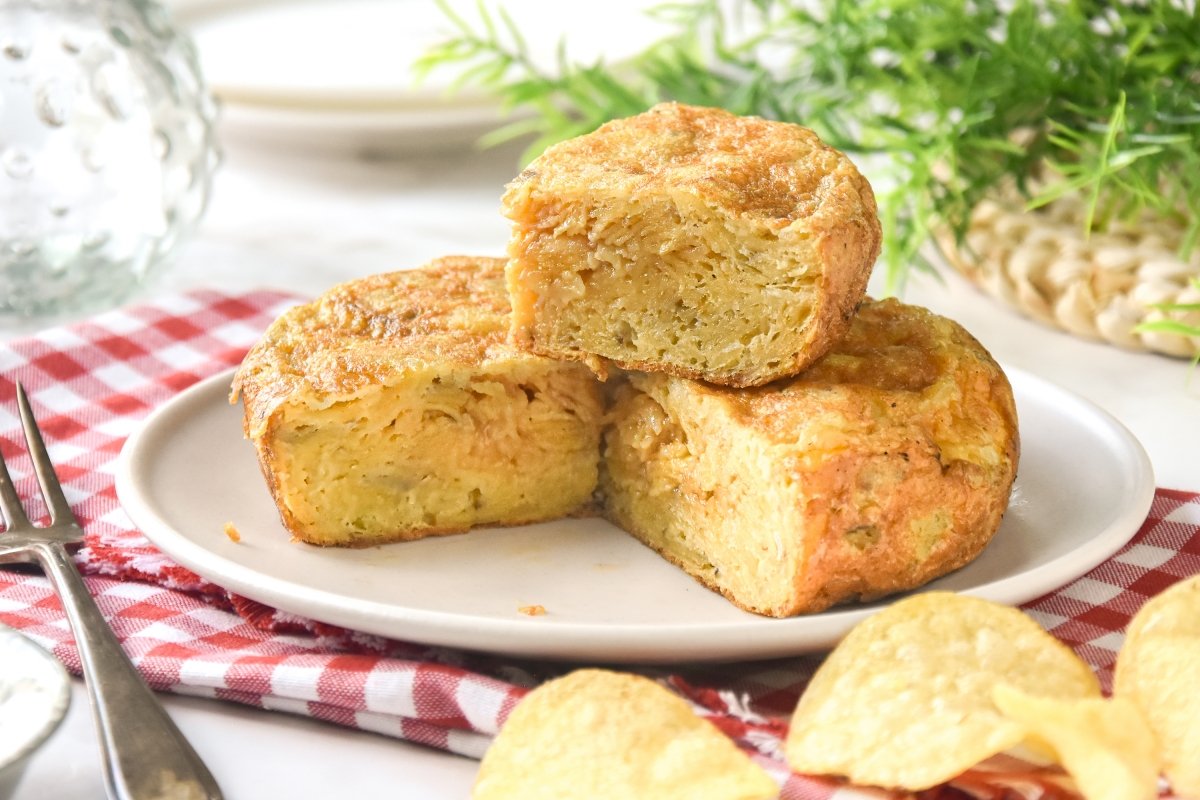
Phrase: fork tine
(11, 512)
(56, 501)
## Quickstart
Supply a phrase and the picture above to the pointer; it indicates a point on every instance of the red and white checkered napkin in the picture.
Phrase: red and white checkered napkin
(92, 383)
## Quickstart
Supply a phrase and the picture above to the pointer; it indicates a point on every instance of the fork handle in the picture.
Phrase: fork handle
(146, 757)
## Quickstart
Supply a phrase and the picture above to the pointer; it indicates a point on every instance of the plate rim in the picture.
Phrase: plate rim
(637, 643)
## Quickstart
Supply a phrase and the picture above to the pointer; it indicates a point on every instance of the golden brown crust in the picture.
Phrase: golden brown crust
(669, 241)
(886, 464)
(748, 166)
(453, 311)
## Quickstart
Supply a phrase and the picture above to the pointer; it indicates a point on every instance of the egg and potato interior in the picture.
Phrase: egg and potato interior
(392, 408)
(885, 464)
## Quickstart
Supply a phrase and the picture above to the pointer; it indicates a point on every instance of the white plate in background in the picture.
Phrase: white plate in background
(339, 72)
(1084, 488)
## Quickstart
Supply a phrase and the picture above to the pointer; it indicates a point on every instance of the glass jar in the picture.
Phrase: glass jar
(107, 149)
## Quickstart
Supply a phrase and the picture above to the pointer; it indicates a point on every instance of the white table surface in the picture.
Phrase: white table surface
(305, 221)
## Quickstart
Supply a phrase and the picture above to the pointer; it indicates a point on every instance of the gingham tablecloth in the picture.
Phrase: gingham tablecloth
(92, 383)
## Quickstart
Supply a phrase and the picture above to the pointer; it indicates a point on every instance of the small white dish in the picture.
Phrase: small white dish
(35, 692)
(1084, 488)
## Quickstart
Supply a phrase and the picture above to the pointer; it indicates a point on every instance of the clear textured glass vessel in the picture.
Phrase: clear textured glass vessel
(107, 149)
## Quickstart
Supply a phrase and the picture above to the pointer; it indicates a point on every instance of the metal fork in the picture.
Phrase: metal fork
(145, 756)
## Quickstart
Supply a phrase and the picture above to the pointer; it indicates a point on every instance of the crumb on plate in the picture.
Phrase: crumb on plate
(232, 532)
(532, 611)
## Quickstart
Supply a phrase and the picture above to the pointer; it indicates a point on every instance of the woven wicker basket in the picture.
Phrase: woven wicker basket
(1101, 286)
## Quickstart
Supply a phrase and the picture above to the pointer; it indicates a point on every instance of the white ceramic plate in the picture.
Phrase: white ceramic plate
(332, 73)
(1085, 486)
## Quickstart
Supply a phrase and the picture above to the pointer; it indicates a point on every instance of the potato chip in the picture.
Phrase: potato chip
(1106, 745)
(597, 734)
(905, 700)
(1158, 669)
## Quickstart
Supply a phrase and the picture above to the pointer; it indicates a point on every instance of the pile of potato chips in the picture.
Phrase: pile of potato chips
(913, 697)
